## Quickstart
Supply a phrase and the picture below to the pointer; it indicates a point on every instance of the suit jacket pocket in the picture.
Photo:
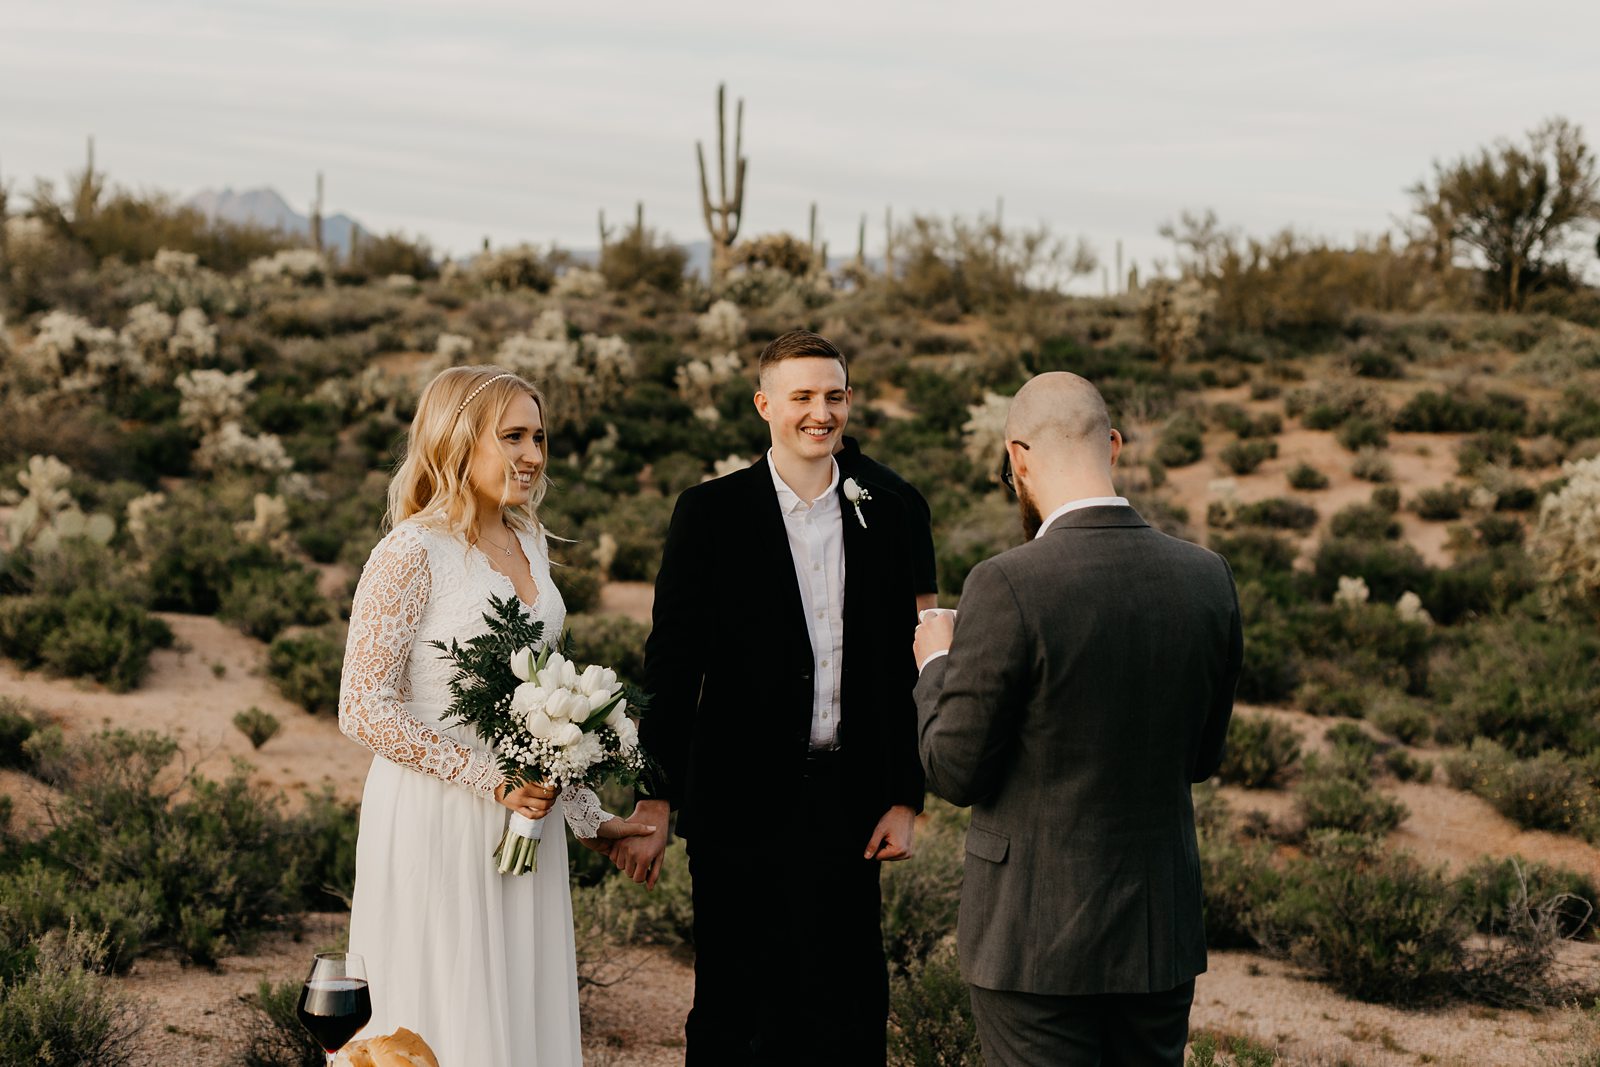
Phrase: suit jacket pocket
(987, 845)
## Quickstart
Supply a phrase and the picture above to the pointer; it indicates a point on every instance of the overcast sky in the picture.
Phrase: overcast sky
(516, 121)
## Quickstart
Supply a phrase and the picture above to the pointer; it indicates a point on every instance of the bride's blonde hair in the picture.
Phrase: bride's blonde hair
(452, 413)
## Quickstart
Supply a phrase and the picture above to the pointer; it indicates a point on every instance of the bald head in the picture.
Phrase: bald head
(1063, 419)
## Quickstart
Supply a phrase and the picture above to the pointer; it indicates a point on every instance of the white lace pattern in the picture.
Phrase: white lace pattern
(423, 584)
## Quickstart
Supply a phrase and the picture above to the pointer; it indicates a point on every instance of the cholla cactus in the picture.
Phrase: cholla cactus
(985, 429)
(605, 553)
(1352, 591)
(147, 331)
(698, 382)
(46, 480)
(454, 348)
(269, 526)
(1176, 315)
(140, 511)
(306, 266)
(212, 398)
(581, 283)
(48, 516)
(519, 267)
(170, 263)
(74, 356)
(400, 283)
(1409, 608)
(590, 371)
(1566, 542)
(193, 339)
(231, 446)
(726, 466)
(722, 325)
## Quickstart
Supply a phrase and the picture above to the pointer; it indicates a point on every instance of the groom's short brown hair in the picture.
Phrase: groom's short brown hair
(798, 343)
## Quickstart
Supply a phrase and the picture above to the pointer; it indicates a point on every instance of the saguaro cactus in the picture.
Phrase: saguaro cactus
(316, 216)
(724, 216)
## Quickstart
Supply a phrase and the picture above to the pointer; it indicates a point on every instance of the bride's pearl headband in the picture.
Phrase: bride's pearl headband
(473, 395)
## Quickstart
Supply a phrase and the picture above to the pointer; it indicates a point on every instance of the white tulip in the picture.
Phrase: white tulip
(627, 734)
(528, 697)
(599, 699)
(614, 720)
(522, 661)
(567, 734)
(540, 725)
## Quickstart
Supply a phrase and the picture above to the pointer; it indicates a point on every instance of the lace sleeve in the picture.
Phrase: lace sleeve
(375, 685)
(583, 811)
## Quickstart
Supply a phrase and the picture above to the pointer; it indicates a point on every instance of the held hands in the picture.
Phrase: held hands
(891, 838)
(934, 633)
(639, 854)
(611, 833)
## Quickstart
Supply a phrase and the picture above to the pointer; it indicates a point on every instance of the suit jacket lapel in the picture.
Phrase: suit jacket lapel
(774, 579)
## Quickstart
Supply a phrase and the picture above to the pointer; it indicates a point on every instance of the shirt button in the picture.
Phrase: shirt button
(824, 663)
(816, 566)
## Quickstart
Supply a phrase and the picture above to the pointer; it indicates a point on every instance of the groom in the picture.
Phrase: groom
(783, 722)
(1088, 681)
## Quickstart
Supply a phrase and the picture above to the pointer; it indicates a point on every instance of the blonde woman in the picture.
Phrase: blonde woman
(480, 964)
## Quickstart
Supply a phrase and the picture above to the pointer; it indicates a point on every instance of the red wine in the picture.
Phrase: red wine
(333, 1009)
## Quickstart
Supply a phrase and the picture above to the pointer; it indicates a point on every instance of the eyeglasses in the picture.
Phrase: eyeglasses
(1005, 467)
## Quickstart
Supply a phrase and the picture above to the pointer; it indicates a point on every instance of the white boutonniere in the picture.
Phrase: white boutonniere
(857, 495)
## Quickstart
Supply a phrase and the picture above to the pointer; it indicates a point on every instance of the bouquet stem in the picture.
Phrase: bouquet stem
(518, 851)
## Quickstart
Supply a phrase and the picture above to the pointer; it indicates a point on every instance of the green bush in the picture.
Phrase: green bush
(65, 1012)
(1181, 442)
(273, 1035)
(18, 721)
(306, 669)
(1400, 718)
(1278, 513)
(1333, 795)
(1481, 584)
(123, 915)
(1371, 465)
(1260, 750)
(262, 603)
(1205, 1048)
(1361, 432)
(1442, 503)
(91, 633)
(258, 726)
(1478, 451)
(1305, 477)
(1364, 522)
(1528, 684)
(1388, 569)
(1550, 791)
(930, 1013)
(610, 640)
(1462, 411)
(921, 896)
(1491, 889)
(1245, 455)
(1237, 882)
(1244, 424)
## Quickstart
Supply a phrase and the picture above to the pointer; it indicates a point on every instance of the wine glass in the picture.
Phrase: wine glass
(335, 1001)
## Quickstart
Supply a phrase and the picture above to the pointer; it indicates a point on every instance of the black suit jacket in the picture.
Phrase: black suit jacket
(1090, 681)
(729, 663)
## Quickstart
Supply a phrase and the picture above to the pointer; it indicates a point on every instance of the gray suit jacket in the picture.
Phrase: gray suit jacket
(1089, 683)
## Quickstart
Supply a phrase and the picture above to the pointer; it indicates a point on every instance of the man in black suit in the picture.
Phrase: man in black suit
(1087, 683)
(924, 570)
(783, 723)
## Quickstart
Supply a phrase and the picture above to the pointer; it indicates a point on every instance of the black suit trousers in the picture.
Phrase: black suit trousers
(1103, 1030)
(789, 965)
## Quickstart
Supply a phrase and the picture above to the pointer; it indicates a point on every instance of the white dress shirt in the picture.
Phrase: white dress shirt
(1044, 528)
(816, 545)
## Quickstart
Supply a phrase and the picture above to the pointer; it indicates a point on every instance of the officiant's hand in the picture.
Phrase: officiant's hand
(640, 857)
(532, 801)
(891, 838)
(934, 634)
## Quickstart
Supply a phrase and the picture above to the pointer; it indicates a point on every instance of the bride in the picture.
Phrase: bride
(480, 964)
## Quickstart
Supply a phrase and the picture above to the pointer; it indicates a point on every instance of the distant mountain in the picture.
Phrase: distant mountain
(265, 207)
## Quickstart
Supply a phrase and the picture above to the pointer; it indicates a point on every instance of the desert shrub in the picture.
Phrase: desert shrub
(306, 669)
(1258, 556)
(614, 911)
(1305, 477)
(1244, 424)
(1478, 451)
(611, 640)
(1483, 583)
(1405, 720)
(1237, 881)
(1576, 418)
(986, 528)
(930, 1013)
(1207, 1049)
(262, 603)
(18, 721)
(1388, 569)
(1462, 411)
(579, 582)
(1278, 513)
(1182, 441)
(273, 1035)
(1272, 662)
(1364, 522)
(1406, 767)
(1442, 503)
(1378, 927)
(1491, 889)
(1361, 432)
(1245, 455)
(1499, 531)
(1260, 751)
(122, 915)
(1371, 465)
(643, 258)
(323, 836)
(89, 633)
(1370, 359)
(1550, 791)
(1386, 498)
(639, 526)
(65, 1012)
(1337, 794)
(1328, 405)
(1525, 683)
(329, 314)
(1352, 746)
(258, 726)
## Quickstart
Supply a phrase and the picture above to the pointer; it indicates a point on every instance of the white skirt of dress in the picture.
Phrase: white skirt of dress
(481, 964)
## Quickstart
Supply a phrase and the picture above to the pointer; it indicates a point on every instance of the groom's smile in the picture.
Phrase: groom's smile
(806, 402)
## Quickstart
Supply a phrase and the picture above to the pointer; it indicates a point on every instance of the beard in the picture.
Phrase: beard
(1028, 508)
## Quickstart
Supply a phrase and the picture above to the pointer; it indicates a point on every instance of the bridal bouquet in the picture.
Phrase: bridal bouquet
(547, 720)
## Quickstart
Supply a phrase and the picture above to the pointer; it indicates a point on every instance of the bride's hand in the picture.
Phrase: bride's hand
(531, 800)
(617, 829)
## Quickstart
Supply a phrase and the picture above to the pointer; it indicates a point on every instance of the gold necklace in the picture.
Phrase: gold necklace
(484, 537)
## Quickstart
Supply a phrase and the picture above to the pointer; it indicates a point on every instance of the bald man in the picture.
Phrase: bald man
(1086, 681)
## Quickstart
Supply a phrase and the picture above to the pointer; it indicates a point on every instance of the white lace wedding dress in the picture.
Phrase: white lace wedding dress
(480, 964)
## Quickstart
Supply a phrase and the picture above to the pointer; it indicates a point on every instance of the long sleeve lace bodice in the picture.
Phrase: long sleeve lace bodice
(423, 584)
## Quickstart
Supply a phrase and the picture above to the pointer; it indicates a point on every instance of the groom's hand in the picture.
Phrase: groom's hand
(640, 857)
(891, 838)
